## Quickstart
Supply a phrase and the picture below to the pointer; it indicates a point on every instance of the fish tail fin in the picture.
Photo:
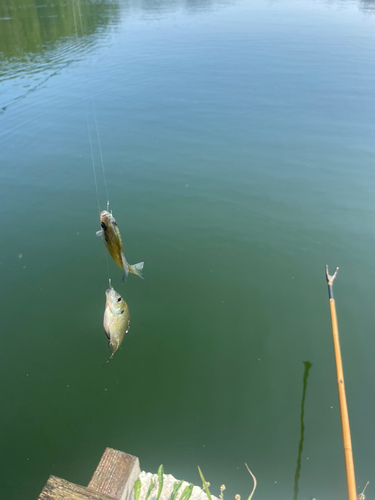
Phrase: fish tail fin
(137, 269)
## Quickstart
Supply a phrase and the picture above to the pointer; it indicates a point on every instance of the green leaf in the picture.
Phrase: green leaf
(149, 489)
(205, 485)
(137, 489)
(184, 492)
(187, 492)
(160, 481)
(176, 487)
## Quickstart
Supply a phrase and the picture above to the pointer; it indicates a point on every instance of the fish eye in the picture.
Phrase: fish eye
(103, 226)
(119, 299)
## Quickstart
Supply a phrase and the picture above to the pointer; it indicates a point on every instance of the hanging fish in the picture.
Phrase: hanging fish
(112, 239)
(116, 319)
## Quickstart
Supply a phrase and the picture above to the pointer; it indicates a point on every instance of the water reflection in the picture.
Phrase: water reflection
(302, 430)
(39, 38)
(367, 6)
(175, 5)
(31, 27)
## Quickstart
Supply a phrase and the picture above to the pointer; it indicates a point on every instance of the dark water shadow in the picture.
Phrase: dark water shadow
(302, 431)
(367, 6)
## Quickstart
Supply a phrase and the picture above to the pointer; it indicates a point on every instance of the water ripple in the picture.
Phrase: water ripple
(39, 41)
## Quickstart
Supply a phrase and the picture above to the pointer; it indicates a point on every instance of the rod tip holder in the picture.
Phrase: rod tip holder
(329, 277)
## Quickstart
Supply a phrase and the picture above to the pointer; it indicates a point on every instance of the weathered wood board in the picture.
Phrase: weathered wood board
(116, 474)
(60, 489)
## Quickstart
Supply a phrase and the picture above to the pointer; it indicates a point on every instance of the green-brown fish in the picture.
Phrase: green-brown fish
(112, 240)
(116, 319)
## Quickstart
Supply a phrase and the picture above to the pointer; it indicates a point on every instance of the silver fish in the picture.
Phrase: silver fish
(116, 319)
(112, 239)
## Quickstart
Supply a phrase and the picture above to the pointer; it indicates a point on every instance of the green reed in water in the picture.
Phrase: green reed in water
(160, 480)
(222, 488)
(186, 494)
(188, 490)
(149, 490)
(137, 489)
(176, 487)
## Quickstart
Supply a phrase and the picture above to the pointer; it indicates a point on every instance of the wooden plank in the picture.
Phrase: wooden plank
(116, 474)
(59, 489)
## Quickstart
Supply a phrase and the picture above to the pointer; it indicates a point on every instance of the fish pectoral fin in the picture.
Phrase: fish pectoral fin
(99, 233)
(110, 357)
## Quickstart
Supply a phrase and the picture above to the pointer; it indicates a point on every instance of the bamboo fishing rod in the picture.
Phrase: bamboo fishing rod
(347, 441)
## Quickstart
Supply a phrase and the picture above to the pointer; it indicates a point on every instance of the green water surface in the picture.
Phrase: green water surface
(238, 140)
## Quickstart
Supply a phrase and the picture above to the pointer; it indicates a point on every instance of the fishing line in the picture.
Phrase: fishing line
(93, 163)
(89, 132)
(96, 121)
(101, 154)
(87, 119)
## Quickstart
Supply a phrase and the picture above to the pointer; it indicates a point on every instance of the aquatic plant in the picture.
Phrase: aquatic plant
(160, 480)
(137, 489)
(222, 488)
(361, 496)
(255, 482)
(186, 494)
(149, 490)
(175, 489)
(206, 484)
(188, 490)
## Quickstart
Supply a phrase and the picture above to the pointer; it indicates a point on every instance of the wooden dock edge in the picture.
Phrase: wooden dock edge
(113, 478)
(116, 474)
(60, 489)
